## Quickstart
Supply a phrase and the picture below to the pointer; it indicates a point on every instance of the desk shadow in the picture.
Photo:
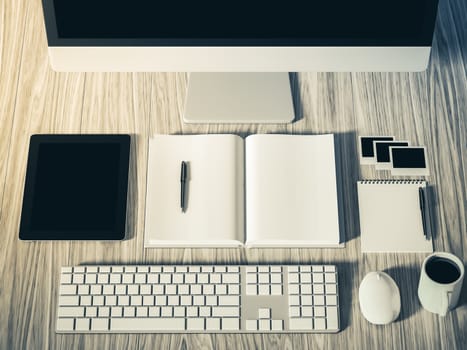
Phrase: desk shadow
(347, 173)
(407, 278)
(432, 208)
(463, 295)
(132, 196)
(297, 102)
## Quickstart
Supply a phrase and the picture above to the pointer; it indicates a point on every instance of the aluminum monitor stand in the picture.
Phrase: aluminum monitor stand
(239, 98)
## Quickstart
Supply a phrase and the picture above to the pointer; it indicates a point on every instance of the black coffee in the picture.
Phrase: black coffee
(442, 270)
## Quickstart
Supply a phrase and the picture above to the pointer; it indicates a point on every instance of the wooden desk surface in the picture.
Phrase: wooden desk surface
(428, 108)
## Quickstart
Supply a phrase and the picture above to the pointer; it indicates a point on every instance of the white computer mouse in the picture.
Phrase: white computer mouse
(379, 297)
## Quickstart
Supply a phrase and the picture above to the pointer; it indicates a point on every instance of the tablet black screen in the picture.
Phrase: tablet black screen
(76, 187)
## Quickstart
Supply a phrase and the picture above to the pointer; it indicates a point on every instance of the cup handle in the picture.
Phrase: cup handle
(445, 304)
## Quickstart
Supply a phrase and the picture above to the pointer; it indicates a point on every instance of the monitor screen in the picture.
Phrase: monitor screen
(242, 22)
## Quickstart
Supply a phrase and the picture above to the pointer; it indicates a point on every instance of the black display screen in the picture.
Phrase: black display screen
(76, 187)
(293, 22)
(408, 158)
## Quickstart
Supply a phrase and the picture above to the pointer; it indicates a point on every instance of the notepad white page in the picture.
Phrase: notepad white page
(214, 213)
(390, 217)
(291, 193)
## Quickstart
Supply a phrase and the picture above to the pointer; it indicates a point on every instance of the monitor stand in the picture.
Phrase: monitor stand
(239, 98)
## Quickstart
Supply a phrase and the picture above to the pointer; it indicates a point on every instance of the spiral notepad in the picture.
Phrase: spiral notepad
(391, 217)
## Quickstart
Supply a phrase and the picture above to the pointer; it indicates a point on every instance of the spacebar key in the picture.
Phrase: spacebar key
(147, 324)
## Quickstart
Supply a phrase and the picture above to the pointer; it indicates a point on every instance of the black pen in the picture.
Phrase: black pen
(421, 197)
(183, 174)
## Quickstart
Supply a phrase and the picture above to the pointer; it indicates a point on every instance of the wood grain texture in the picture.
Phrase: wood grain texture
(428, 108)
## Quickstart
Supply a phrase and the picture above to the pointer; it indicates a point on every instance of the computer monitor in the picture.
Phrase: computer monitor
(256, 36)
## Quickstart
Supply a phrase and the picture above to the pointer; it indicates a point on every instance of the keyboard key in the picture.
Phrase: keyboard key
(154, 311)
(307, 311)
(103, 311)
(115, 278)
(216, 278)
(142, 324)
(213, 324)
(68, 300)
(100, 324)
(251, 278)
(127, 278)
(318, 299)
(83, 324)
(318, 278)
(230, 324)
(276, 278)
(86, 300)
(332, 318)
(83, 289)
(68, 289)
(301, 324)
(91, 311)
(71, 311)
(233, 289)
(230, 278)
(166, 311)
(129, 311)
(225, 311)
(276, 289)
(102, 278)
(65, 278)
(294, 289)
(318, 288)
(140, 278)
(65, 324)
(78, 278)
(165, 278)
(229, 300)
(141, 311)
(277, 325)
(320, 311)
(331, 300)
(179, 311)
(145, 289)
(195, 324)
(108, 289)
(110, 300)
(264, 325)
(116, 311)
(331, 289)
(177, 278)
(205, 311)
(320, 323)
(263, 278)
(330, 277)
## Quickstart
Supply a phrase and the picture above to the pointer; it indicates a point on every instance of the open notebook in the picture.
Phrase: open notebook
(266, 190)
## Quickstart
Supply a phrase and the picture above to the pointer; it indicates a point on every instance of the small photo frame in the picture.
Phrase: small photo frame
(366, 147)
(409, 161)
(381, 151)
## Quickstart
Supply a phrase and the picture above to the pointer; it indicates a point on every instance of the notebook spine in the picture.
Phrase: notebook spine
(392, 182)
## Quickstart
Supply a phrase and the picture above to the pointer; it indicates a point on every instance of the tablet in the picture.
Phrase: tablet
(76, 188)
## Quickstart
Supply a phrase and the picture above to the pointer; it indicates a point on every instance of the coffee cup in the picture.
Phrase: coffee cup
(440, 282)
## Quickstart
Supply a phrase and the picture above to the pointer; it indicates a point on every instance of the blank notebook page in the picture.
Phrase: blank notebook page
(390, 217)
(214, 211)
(291, 194)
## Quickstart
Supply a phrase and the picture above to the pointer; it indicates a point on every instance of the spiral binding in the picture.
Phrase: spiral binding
(392, 182)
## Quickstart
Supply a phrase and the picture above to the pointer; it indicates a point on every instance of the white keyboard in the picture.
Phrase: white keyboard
(198, 298)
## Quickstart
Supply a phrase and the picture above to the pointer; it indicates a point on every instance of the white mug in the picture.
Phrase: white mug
(440, 282)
